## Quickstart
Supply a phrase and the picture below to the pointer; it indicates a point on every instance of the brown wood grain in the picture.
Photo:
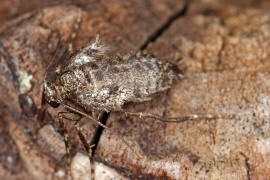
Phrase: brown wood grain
(222, 48)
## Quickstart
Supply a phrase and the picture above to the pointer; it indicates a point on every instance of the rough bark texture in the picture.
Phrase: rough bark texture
(222, 48)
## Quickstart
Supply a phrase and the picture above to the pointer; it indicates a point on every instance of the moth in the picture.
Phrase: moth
(94, 79)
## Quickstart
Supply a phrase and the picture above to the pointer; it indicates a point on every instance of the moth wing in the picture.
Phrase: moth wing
(94, 52)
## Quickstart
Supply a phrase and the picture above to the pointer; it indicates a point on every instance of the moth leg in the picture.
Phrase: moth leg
(177, 119)
(87, 147)
(102, 125)
(79, 121)
(67, 141)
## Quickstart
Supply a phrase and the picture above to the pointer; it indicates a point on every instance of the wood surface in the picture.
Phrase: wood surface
(222, 47)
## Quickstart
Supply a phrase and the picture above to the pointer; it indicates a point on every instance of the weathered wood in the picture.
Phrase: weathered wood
(223, 51)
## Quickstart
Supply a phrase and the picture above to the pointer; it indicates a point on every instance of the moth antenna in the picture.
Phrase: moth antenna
(179, 119)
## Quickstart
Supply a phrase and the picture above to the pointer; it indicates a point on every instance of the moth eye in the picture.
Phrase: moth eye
(54, 104)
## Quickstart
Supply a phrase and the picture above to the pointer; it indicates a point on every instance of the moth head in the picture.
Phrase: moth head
(49, 91)
(50, 95)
